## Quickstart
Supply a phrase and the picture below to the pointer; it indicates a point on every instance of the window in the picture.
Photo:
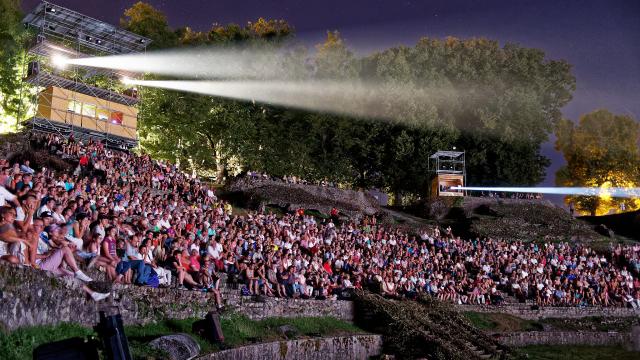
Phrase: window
(74, 106)
(103, 114)
(89, 110)
(116, 118)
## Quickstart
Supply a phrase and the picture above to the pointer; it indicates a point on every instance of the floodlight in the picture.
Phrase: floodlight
(59, 61)
(126, 80)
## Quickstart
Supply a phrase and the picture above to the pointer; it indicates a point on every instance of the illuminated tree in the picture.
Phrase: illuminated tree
(499, 104)
(601, 151)
(143, 19)
(11, 36)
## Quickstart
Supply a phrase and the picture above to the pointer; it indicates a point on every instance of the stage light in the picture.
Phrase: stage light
(59, 61)
(51, 9)
(616, 192)
(98, 41)
(88, 38)
(126, 80)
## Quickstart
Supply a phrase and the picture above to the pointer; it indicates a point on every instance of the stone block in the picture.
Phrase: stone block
(177, 346)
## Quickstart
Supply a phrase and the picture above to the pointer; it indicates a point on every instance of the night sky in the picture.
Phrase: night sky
(600, 38)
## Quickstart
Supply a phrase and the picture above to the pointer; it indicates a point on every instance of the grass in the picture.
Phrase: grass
(19, 344)
(501, 322)
(238, 330)
(593, 323)
(508, 323)
(565, 352)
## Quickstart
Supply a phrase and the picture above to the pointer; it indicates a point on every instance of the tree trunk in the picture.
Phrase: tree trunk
(221, 163)
(398, 198)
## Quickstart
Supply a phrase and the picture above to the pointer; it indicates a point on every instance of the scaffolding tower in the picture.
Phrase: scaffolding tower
(60, 31)
(448, 169)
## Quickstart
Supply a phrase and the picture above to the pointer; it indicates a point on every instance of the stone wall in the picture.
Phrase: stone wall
(526, 312)
(294, 196)
(564, 338)
(29, 297)
(338, 348)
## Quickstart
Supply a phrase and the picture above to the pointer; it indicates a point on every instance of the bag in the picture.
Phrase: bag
(245, 291)
(153, 280)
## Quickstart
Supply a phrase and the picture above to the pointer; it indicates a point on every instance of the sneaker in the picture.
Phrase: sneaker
(82, 276)
(96, 296)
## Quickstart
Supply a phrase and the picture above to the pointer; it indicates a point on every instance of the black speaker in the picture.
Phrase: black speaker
(114, 340)
(69, 349)
(33, 69)
(209, 328)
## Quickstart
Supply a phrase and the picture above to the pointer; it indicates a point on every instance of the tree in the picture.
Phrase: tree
(143, 19)
(600, 151)
(11, 36)
(200, 132)
(496, 103)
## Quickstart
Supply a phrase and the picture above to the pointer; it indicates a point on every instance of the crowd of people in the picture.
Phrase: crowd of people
(145, 222)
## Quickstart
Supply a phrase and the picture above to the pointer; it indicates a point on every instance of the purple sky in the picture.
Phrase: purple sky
(601, 38)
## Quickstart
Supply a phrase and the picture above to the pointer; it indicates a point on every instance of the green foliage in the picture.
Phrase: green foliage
(143, 19)
(601, 151)
(593, 323)
(496, 103)
(238, 330)
(12, 35)
(19, 344)
(501, 322)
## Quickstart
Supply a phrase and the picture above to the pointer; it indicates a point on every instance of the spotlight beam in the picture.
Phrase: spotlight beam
(197, 63)
(617, 192)
(345, 98)
(60, 61)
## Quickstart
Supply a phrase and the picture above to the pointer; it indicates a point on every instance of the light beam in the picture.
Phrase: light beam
(198, 63)
(617, 192)
(60, 61)
(347, 98)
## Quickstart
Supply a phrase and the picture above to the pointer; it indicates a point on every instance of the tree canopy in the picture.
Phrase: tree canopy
(601, 151)
(496, 103)
(11, 35)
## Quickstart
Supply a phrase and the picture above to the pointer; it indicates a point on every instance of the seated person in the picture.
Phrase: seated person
(8, 234)
(56, 257)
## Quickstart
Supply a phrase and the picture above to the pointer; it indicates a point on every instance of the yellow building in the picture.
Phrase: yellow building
(90, 113)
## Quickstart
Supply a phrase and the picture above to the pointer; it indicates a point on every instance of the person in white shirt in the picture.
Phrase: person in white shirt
(7, 196)
(214, 249)
(48, 206)
(164, 222)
